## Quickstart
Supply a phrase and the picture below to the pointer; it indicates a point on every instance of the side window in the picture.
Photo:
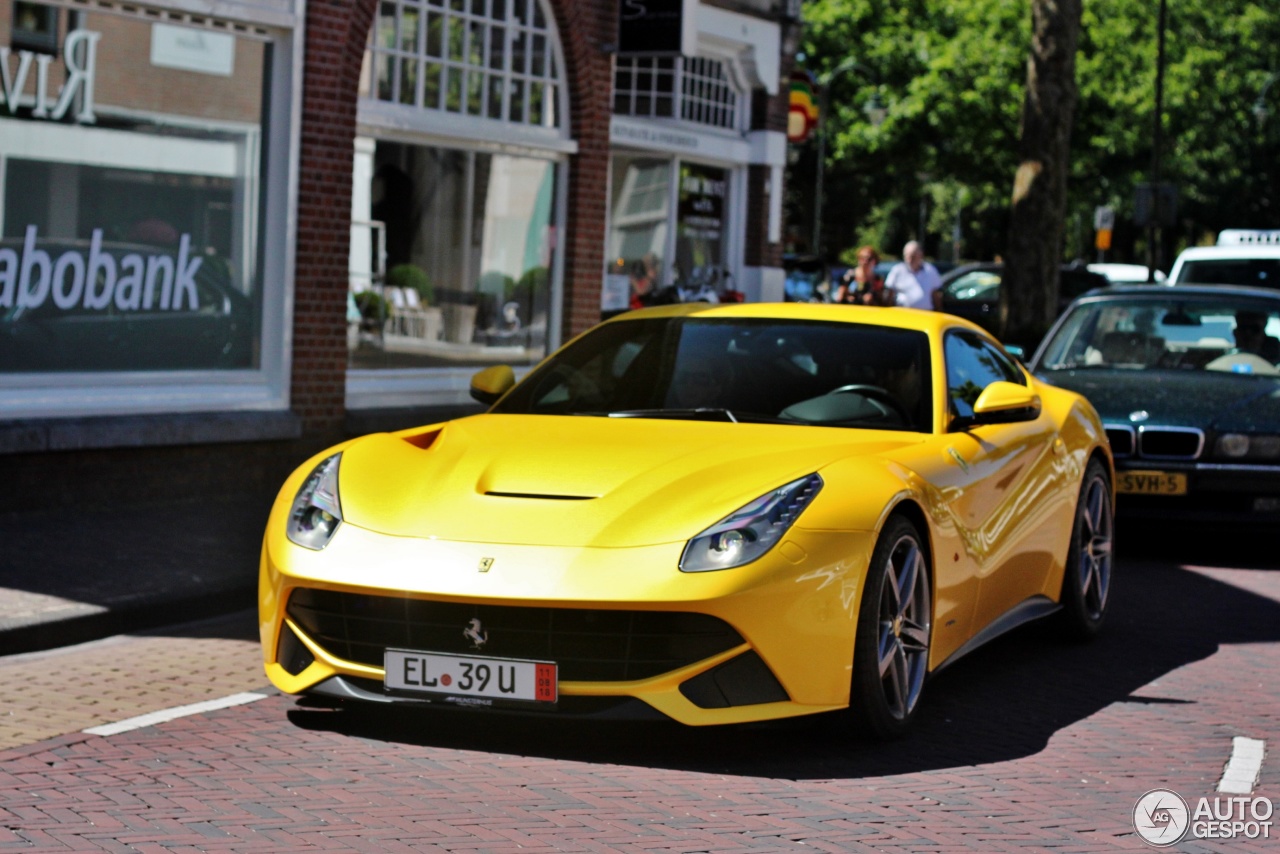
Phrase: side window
(972, 365)
(1012, 373)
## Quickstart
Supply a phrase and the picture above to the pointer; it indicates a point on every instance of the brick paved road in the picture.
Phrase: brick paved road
(1030, 744)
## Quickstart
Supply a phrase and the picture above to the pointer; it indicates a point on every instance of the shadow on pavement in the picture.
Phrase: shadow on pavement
(125, 568)
(1002, 702)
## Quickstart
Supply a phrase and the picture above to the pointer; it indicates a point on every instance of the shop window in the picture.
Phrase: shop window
(700, 244)
(649, 247)
(693, 89)
(469, 246)
(638, 219)
(132, 196)
(493, 59)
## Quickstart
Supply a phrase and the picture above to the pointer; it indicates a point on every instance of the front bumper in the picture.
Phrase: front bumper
(791, 617)
(1216, 492)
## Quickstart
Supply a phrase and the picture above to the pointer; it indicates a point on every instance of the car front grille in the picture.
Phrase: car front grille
(588, 645)
(1154, 442)
(1121, 438)
(1170, 443)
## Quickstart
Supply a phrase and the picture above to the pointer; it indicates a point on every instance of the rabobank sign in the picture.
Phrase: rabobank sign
(94, 278)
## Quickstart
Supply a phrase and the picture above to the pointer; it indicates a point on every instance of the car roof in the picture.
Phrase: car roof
(923, 320)
(1125, 272)
(1234, 251)
(1166, 291)
(1072, 268)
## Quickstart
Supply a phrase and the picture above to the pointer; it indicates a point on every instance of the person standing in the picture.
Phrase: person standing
(915, 280)
(861, 285)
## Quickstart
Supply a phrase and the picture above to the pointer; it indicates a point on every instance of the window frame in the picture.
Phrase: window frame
(394, 388)
(266, 386)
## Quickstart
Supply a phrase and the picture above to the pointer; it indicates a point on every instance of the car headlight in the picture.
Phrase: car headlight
(1241, 446)
(1233, 445)
(752, 530)
(317, 512)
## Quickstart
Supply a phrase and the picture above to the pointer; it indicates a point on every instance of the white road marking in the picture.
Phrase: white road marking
(176, 712)
(1244, 766)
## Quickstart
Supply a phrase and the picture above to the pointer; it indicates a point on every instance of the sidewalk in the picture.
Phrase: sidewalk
(70, 576)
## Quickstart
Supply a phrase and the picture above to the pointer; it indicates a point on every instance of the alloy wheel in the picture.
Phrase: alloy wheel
(1095, 547)
(905, 616)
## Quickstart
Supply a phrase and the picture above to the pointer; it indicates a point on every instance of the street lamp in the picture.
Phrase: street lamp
(875, 111)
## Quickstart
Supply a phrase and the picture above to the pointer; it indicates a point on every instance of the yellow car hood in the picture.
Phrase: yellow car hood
(580, 481)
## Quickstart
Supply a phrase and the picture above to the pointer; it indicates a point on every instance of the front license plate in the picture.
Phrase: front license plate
(1152, 483)
(469, 676)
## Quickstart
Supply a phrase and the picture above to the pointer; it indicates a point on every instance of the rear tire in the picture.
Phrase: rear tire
(1086, 581)
(895, 621)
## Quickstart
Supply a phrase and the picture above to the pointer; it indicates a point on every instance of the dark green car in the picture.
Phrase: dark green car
(1187, 382)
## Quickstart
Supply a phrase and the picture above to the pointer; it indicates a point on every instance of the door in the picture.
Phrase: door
(1008, 479)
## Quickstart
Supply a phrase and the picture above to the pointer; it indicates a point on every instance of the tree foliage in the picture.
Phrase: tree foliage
(952, 74)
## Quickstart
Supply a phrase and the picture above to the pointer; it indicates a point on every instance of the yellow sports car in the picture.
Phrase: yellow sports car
(713, 513)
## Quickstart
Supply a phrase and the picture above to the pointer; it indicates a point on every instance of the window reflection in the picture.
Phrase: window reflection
(468, 256)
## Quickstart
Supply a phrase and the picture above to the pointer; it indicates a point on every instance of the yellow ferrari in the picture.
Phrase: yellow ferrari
(712, 513)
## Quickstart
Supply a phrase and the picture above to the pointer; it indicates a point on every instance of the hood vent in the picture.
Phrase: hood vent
(541, 496)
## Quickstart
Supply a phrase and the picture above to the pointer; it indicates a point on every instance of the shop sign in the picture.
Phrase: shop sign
(79, 52)
(702, 204)
(97, 279)
(649, 27)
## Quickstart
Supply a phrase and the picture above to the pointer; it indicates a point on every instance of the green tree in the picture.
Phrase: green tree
(953, 74)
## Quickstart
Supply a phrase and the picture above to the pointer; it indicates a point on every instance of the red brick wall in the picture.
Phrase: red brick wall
(336, 32)
(585, 27)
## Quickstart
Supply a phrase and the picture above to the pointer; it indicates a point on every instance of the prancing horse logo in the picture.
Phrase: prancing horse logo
(475, 633)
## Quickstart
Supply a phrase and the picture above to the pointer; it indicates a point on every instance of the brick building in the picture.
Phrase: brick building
(225, 241)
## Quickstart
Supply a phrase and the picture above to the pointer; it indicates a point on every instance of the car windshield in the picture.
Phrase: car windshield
(733, 369)
(1236, 335)
(978, 285)
(1259, 272)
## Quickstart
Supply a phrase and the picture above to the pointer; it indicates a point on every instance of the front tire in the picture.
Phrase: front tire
(1086, 582)
(895, 620)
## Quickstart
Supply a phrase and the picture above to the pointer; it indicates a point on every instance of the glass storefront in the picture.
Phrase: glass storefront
(131, 178)
(650, 249)
(459, 181)
(700, 255)
(639, 215)
(469, 242)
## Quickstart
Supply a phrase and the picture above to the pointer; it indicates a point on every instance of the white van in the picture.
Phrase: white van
(1241, 257)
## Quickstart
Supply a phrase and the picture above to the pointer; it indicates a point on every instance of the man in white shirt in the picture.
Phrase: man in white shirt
(915, 280)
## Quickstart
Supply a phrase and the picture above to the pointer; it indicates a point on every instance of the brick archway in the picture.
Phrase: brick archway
(336, 34)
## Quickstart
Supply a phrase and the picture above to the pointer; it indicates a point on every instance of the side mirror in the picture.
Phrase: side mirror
(1005, 403)
(492, 383)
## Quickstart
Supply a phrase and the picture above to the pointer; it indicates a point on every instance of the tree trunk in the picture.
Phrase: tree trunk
(1029, 291)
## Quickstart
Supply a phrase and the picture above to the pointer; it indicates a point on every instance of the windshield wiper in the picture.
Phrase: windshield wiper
(698, 412)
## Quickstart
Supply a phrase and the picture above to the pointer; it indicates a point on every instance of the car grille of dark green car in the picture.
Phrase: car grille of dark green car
(1170, 443)
(588, 645)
